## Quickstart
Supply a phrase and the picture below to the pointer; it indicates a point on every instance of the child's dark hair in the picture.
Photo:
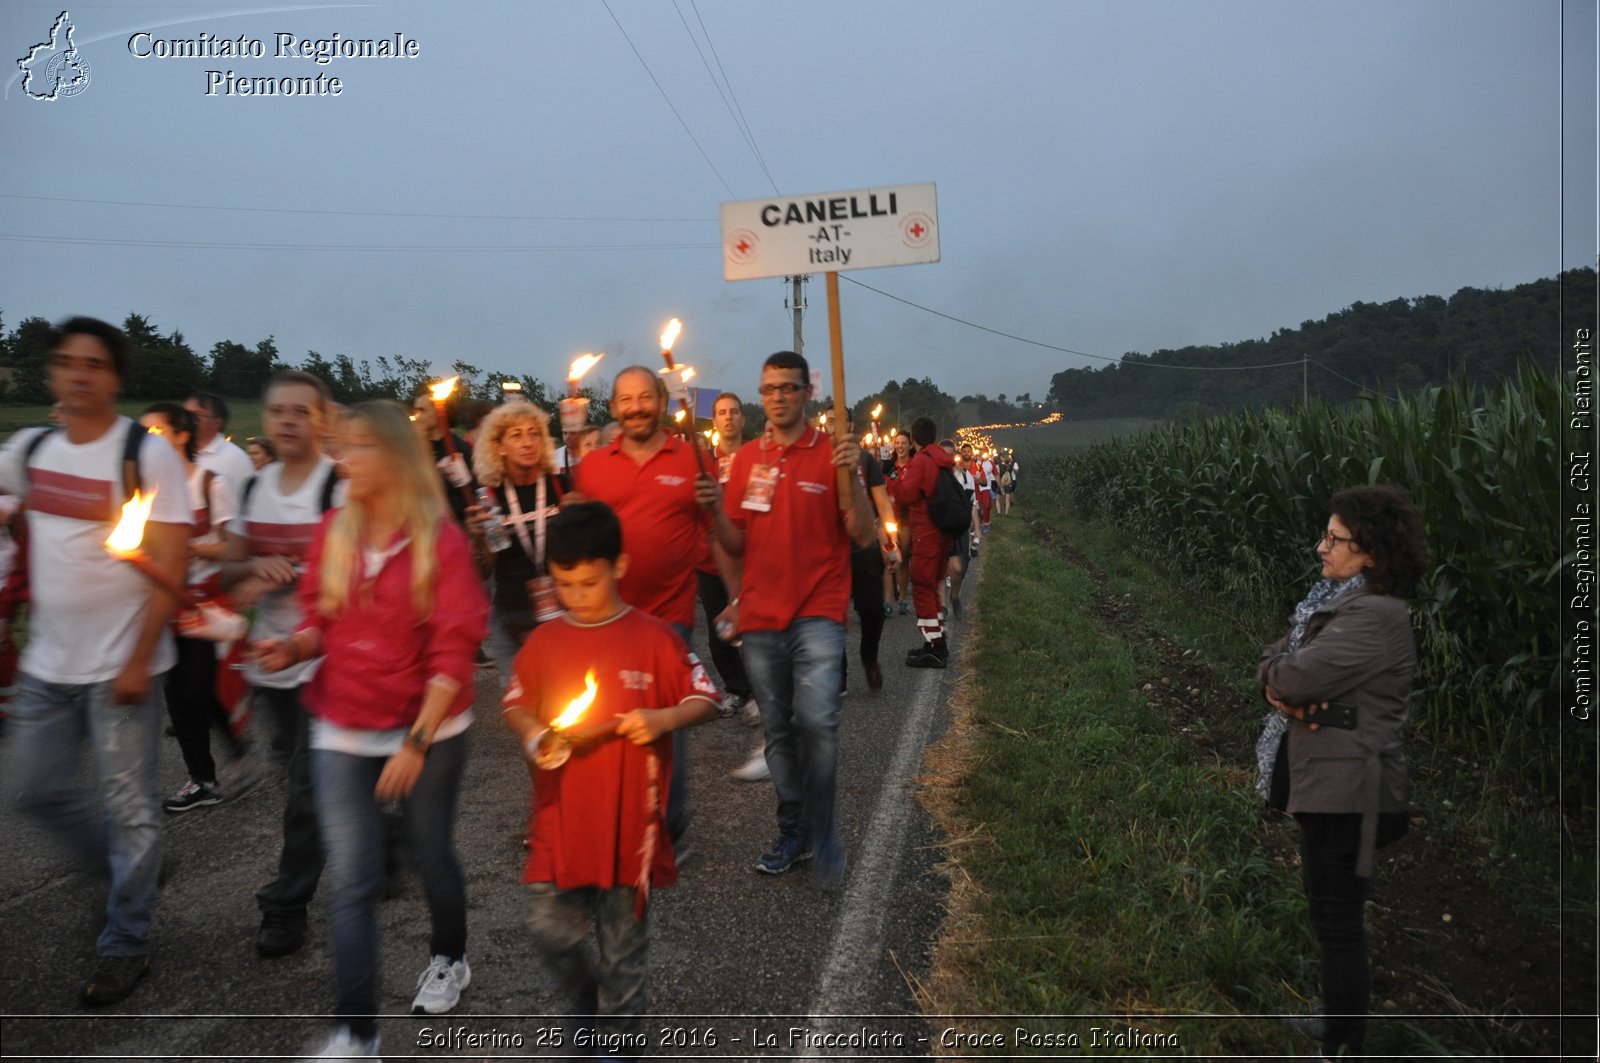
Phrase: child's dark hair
(583, 531)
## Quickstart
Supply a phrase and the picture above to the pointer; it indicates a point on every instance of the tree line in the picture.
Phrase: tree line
(1477, 336)
(169, 367)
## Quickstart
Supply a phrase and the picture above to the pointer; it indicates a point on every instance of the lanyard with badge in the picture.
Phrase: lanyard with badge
(541, 589)
(763, 483)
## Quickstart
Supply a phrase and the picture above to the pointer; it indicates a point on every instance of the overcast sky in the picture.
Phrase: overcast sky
(1112, 176)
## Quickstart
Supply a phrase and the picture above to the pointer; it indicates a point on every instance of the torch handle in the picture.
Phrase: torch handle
(142, 562)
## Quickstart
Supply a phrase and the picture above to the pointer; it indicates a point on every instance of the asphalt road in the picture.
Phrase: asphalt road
(764, 967)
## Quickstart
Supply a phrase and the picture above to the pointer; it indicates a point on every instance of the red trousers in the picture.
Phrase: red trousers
(930, 560)
(985, 504)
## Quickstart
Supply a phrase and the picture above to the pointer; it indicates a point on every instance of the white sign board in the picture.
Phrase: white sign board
(832, 231)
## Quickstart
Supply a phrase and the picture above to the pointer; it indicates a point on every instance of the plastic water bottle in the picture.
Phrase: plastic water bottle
(494, 530)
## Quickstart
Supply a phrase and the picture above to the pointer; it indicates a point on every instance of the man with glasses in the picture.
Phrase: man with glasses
(213, 449)
(782, 514)
(97, 637)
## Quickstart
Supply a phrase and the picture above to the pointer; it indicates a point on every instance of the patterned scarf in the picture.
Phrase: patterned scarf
(1276, 724)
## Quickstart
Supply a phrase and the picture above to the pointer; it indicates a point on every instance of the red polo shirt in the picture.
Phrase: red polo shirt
(663, 526)
(797, 554)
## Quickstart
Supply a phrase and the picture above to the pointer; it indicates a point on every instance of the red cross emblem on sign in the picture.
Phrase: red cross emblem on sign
(916, 229)
(742, 246)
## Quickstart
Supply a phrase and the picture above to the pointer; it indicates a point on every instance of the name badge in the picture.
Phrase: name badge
(759, 490)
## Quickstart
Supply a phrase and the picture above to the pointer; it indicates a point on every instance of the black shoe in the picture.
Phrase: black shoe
(925, 658)
(113, 979)
(281, 933)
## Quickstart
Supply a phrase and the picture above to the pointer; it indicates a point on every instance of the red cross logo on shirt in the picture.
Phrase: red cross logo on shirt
(917, 230)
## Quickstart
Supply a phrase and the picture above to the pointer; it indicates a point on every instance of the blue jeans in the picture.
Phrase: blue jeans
(51, 722)
(353, 835)
(300, 859)
(616, 989)
(794, 674)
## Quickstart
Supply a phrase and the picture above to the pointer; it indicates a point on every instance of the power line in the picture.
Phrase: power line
(1341, 376)
(750, 135)
(447, 248)
(667, 98)
(351, 213)
(727, 106)
(1054, 347)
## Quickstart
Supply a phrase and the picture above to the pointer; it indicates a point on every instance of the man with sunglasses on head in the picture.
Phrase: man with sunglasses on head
(782, 515)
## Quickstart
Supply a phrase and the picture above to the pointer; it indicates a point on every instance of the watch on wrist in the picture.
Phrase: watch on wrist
(420, 739)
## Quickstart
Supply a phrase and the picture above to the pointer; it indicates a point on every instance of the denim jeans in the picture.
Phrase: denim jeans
(300, 860)
(50, 723)
(353, 836)
(795, 676)
(616, 990)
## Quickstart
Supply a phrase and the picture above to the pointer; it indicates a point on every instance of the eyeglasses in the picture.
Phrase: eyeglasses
(1331, 540)
(781, 389)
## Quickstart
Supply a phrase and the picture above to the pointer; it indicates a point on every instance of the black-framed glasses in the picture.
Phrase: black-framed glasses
(781, 389)
(1331, 540)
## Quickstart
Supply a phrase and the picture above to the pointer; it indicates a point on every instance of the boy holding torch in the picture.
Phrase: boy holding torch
(598, 839)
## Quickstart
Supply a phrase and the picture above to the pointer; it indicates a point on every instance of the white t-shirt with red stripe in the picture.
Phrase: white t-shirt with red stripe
(88, 606)
(275, 524)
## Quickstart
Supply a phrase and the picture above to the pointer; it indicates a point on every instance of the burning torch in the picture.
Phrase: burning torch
(552, 747)
(575, 408)
(125, 544)
(457, 473)
(685, 373)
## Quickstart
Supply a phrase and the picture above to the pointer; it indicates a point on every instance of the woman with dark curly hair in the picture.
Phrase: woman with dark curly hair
(1340, 681)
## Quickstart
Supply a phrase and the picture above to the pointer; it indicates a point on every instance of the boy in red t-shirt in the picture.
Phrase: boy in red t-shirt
(597, 840)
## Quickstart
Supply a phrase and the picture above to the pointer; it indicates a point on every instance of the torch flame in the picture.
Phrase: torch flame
(891, 527)
(129, 532)
(877, 411)
(678, 417)
(582, 365)
(716, 438)
(669, 335)
(442, 390)
(577, 706)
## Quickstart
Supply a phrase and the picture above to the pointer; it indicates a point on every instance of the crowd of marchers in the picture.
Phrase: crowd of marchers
(379, 560)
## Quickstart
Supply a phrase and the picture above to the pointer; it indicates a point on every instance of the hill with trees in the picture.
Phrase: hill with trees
(1477, 335)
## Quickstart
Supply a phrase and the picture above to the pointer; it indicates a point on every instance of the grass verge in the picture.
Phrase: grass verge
(1108, 874)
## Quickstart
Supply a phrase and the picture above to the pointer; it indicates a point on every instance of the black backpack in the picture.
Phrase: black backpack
(950, 505)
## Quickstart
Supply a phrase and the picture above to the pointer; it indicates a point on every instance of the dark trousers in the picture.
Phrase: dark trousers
(1335, 896)
(300, 862)
(866, 592)
(193, 708)
(724, 655)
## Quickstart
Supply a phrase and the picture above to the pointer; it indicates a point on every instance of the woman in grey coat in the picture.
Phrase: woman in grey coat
(1340, 680)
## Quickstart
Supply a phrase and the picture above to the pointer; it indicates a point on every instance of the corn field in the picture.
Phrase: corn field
(1240, 501)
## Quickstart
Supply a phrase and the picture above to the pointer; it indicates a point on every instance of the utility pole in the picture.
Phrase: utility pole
(1305, 383)
(796, 304)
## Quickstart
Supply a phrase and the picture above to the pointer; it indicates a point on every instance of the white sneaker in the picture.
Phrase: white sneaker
(728, 706)
(346, 1045)
(755, 769)
(439, 987)
(752, 712)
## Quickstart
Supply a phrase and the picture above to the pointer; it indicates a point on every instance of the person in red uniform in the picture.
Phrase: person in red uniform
(929, 546)
(647, 476)
(598, 837)
(783, 515)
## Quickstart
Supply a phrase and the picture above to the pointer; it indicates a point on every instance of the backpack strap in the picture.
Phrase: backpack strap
(249, 486)
(132, 479)
(35, 443)
(328, 487)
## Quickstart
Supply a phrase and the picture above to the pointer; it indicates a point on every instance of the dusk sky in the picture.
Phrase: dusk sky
(1112, 176)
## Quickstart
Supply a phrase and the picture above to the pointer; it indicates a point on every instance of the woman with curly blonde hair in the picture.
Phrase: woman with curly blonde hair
(515, 463)
(395, 610)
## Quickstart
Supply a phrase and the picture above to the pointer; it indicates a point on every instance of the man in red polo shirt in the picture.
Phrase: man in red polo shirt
(647, 476)
(782, 516)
